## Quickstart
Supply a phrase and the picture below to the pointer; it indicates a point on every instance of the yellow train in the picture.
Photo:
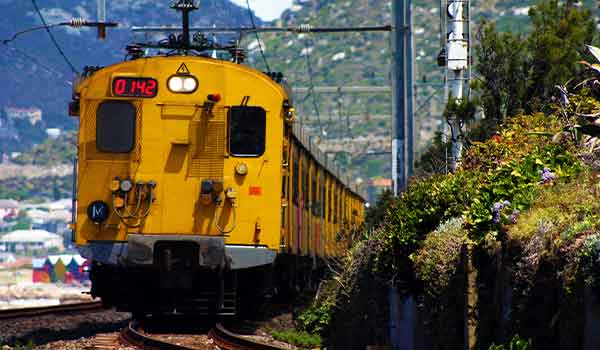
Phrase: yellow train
(195, 188)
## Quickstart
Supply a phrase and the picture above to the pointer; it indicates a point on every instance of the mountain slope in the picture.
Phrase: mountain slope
(32, 72)
(364, 59)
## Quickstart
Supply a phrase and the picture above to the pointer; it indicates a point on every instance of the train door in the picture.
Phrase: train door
(304, 167)
(319, 214)
(295, 216)
(314, 239)
(328, 220)
(286, 236)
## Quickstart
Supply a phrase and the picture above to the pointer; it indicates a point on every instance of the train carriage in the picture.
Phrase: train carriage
(194, 185)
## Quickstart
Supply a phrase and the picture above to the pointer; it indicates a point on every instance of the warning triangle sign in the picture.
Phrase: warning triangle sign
(183, 69)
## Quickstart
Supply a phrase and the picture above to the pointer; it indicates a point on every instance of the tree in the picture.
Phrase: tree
(376, 214)
(517, 72)
(557, 42)
(435, 159)
(503, 64)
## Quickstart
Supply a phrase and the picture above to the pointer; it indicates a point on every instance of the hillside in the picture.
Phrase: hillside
(364, 59)
(354, 128)
(34, 75)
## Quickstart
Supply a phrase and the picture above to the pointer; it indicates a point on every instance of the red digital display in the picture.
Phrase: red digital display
(134, 87)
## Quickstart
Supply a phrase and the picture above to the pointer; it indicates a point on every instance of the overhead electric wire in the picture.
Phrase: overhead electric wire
(311, 86)
(262, 53)
(47, 27)
(6, 41)
(37, 61)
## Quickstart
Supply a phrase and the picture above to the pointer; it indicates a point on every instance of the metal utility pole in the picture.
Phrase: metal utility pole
(101, 8)
(458, 70)
(402, 95)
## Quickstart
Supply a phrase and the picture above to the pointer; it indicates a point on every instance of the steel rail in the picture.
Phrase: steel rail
(50, 310)
(227, 340)
(223, 338)
(132, 336)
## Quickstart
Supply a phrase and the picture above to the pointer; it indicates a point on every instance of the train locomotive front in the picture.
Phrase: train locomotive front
(178, 181)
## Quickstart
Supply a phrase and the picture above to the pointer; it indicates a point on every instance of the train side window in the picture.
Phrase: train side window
(335, 204)
(305, 193)
(115, 127)
(329, 199)
(247, 131)
(295, 177)
(314, 201)
(322, 200)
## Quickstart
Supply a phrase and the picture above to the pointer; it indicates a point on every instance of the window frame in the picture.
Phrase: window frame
(295, 176)
(264, 146)
(134, 128)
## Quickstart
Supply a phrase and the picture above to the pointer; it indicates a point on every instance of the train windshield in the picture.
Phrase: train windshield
(115, 127)
(247, 131)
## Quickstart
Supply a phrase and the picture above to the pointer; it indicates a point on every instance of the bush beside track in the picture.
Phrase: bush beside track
(522, 213)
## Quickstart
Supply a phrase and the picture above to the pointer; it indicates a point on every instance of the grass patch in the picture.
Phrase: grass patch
(297, 338)
(562, 212)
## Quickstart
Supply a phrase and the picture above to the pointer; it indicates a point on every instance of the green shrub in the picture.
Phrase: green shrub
(302, 339)
(590, 261)
(437, 261)
(425, 205)
(317, 317)
(516, 343)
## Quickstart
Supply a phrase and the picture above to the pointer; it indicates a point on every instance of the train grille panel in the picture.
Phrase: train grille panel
(208, 144)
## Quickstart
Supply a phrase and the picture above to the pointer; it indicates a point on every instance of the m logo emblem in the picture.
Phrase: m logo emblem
(98, 211)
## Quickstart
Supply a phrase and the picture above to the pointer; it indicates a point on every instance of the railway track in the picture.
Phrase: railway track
(64, 309)
(132, 335)
(227, 340)
(222, 338)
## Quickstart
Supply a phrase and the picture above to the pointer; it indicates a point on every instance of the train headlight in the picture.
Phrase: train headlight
(176, 84)
(189, 84)
(185, 84)
(241, 169)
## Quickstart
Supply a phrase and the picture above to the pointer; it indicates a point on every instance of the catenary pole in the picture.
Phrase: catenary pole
(457, 48)
(402, 94)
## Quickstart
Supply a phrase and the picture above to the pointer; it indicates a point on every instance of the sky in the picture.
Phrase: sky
(267, 10)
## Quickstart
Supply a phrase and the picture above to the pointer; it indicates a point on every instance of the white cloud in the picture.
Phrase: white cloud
(267, 10)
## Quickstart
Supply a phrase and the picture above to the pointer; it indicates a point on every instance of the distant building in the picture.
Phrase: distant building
(376, 186)
(381, 183)
(53, 133)
(32, 114)
(30, 241)
(8, 208)
(7, 258)
(60, 269)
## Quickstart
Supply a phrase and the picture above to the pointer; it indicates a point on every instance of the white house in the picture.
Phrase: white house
(30, 240)
(33, 115)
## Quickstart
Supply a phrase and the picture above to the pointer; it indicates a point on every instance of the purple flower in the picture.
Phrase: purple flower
(546, 175)
(514, 215)
(498, 206)
(496, 218)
